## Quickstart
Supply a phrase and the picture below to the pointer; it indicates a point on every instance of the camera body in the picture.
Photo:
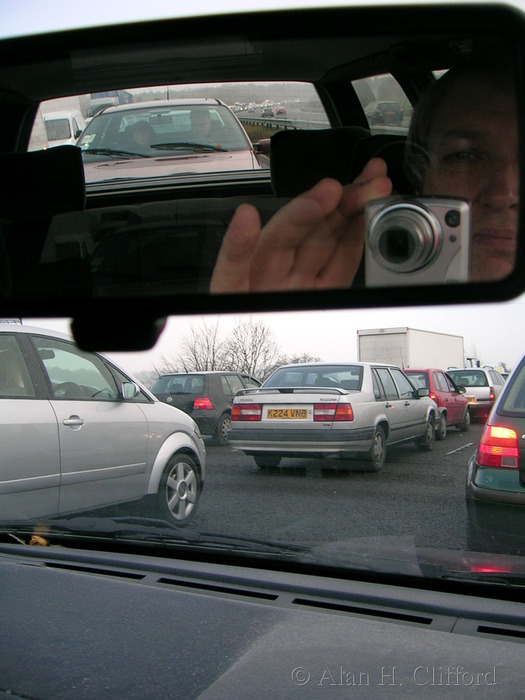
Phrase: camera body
(417, 240)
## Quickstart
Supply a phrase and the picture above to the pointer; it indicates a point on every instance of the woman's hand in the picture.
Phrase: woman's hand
(314, 242)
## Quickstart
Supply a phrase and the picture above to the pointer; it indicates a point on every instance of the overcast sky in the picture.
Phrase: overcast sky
(492, 334)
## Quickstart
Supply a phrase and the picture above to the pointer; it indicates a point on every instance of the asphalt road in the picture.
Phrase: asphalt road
(417, 497)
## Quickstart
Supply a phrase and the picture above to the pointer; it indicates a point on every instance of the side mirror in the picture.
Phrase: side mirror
(422, 392)
(129, 390)
(262, 146)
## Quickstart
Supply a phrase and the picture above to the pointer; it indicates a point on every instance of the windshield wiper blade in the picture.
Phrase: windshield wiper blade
(113, 153)
(197, 147)
(145, 530)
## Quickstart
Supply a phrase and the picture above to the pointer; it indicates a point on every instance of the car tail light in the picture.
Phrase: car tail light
(498, 447)
(492, 395)
(203, 403)
(333, 412)
(246, 412)
(433, 396)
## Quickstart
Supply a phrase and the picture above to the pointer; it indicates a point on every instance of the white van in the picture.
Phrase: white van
(63, 127)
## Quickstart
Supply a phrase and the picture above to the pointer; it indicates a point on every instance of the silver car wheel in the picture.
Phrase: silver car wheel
(426, 442)
(179, 489)
(377, 453)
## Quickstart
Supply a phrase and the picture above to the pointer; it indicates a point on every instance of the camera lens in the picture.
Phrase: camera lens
(396, 244)
(404, 236)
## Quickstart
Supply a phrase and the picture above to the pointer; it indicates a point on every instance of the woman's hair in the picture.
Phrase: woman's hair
(494, 70)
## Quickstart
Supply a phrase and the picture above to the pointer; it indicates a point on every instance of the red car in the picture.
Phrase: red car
(453, 406)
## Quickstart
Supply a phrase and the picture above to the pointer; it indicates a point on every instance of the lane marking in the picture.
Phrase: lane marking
(469, 444)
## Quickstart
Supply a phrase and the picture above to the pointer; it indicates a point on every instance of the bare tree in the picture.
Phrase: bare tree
(203, 350)
(251, 348)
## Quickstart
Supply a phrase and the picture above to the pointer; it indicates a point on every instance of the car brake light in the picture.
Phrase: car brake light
(498, 447)
(492, 395)
(333, 412)
(203, 403)
(246, 412)
(433, 396)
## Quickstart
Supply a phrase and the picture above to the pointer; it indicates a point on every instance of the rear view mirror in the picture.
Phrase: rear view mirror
(445, 227)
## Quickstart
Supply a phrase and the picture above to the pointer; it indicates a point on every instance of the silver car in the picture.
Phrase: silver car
(327, 410)
(77, 433)
(482, 385)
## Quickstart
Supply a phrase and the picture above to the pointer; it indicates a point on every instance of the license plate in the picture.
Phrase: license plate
(287, 413)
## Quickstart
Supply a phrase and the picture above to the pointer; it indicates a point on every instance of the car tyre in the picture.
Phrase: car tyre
(221, 432)
(465, 424)
(376, 455)
(179, 490)
(441, 430)
(267, 461)
(426, 442)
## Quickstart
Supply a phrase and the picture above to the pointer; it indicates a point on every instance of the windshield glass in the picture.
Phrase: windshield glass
(57, 129)
(346, 165)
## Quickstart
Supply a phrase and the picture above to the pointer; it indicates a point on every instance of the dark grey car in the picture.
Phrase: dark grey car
(206, 396)
(495, 491)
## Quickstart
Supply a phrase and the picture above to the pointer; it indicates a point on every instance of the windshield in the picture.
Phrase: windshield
(214, 167)
(57, 129)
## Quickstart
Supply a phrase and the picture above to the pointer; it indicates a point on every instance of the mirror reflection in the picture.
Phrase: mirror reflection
(263, 189)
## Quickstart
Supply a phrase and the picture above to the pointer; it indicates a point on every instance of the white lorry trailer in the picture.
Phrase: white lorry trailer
(409, 347)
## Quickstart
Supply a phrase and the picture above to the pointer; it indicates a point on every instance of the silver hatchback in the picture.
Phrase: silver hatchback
(332, 410)
(77, 433)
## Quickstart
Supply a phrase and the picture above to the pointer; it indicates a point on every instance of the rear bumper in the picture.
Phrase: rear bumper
(300, 441)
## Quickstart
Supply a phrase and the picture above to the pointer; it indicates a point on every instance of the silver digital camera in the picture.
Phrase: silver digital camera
(417, 240)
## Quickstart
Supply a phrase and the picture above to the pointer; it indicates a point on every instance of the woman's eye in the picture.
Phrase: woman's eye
(462, 157)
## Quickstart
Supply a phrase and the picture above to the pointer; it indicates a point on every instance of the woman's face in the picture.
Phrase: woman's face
(473, 143)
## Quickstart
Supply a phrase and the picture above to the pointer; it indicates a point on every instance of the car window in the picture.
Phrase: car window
(57, 129)
(250, 381)
(419, 379)
(471, 377)
(406, 390)
(387, 382)
(386, 106)
(74, 374)
(15, 379)
(513, 402)
(168, 122)
(496, 377)
(441, 381)
(231, 384)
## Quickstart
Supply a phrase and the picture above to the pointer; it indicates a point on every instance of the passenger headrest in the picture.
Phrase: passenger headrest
(40, 184)
(390, 147)
(300, 158)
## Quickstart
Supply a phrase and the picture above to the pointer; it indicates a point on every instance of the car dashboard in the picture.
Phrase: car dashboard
(213, 630)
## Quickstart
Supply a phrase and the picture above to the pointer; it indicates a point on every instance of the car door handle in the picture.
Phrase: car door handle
(407, 403)
(74, 422)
